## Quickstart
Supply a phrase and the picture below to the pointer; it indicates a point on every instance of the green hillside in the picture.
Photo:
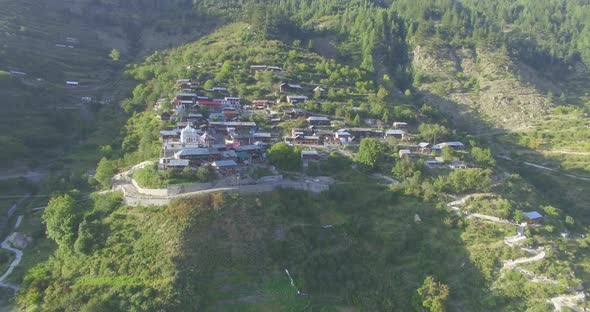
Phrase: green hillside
(408, 223)
(57, 41)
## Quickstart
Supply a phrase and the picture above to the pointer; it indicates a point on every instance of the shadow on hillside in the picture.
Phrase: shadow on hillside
(352, 246)
(558, 188)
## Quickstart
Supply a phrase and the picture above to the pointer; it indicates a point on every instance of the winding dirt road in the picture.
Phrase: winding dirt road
(18, 256)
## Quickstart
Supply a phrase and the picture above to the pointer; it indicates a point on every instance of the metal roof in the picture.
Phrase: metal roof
(224, 163)
(318, 118)
(533, 215)
(194, 152)
(395, 131)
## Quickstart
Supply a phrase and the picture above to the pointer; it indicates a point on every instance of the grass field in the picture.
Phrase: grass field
(340, 252)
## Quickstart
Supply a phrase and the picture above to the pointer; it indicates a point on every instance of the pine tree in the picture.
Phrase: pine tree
(357, 120)
(385, 118)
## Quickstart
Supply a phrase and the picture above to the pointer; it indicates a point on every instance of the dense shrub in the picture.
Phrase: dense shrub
(469, 180)
(150, 177)
(285, 157)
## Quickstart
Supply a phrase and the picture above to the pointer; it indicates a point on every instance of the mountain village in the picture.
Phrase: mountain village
(209, 127)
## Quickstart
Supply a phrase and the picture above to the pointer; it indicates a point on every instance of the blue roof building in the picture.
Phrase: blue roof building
(533, 216)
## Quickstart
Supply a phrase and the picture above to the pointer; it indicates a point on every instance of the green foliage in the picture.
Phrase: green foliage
(147, 272)
(357, 120)
(105, 171)
(447, 154)
(267, 19)
(106, 151)
(260, 172)
(141, 140)
(284, 156)
(493, 206)
(203, 175)
(123, 261)
(483, 157)
(519, 216)
(469, 180)
(432, 132)
(406, 168)
(115, 55)
(149, 177)
(4, 76)
(62, 217)
(433, 294)
(85, 241)
(336, 165)
(370, 151)
(209, 84)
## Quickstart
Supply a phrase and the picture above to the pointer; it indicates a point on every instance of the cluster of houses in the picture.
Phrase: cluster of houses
(223, 139)
(224, 145)
(428, 150)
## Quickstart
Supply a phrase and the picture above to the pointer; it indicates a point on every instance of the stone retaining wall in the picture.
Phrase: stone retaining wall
(188, 188)
(174, 190)
(147, 191)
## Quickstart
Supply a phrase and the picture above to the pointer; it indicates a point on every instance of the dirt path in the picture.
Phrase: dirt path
(386, 178)
(538, 257)
(569, 301)
(573, 176)
(569, 175)
(489, 218)
(19, 254)
(459, 202)
(514, 240)
(563, 152)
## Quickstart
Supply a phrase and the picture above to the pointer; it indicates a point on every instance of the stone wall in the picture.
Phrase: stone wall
(189, 188)
(306, 186)
(147, 191)
(269, 179)
(265, 184)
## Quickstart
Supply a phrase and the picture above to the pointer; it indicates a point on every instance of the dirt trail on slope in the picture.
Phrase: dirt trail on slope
(19, 254)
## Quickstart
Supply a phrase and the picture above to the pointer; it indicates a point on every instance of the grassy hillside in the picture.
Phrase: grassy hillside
(126, 256)
(357, 247)
(232, 253)
(362, 246)
(57, 41)
(342, 252)
(481, 88)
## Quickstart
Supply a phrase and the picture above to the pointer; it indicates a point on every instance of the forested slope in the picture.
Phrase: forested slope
(51, 42)
(487, 66)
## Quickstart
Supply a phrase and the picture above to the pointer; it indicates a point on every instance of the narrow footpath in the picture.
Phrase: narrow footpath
(18, 256)
(570, 301)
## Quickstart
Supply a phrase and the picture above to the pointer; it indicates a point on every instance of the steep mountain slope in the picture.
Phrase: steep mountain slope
(52, 42)
(481, 87)
(362, 245)
(123, 259)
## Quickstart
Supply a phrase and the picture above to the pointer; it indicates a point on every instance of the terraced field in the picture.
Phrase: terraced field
(57, 41)
(30, 31)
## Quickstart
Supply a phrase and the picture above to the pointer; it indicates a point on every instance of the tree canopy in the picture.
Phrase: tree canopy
(433, 294)
(285, 157)
(62, 217)
(370, 150)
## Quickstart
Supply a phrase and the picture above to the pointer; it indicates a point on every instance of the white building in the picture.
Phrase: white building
(189, 135)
